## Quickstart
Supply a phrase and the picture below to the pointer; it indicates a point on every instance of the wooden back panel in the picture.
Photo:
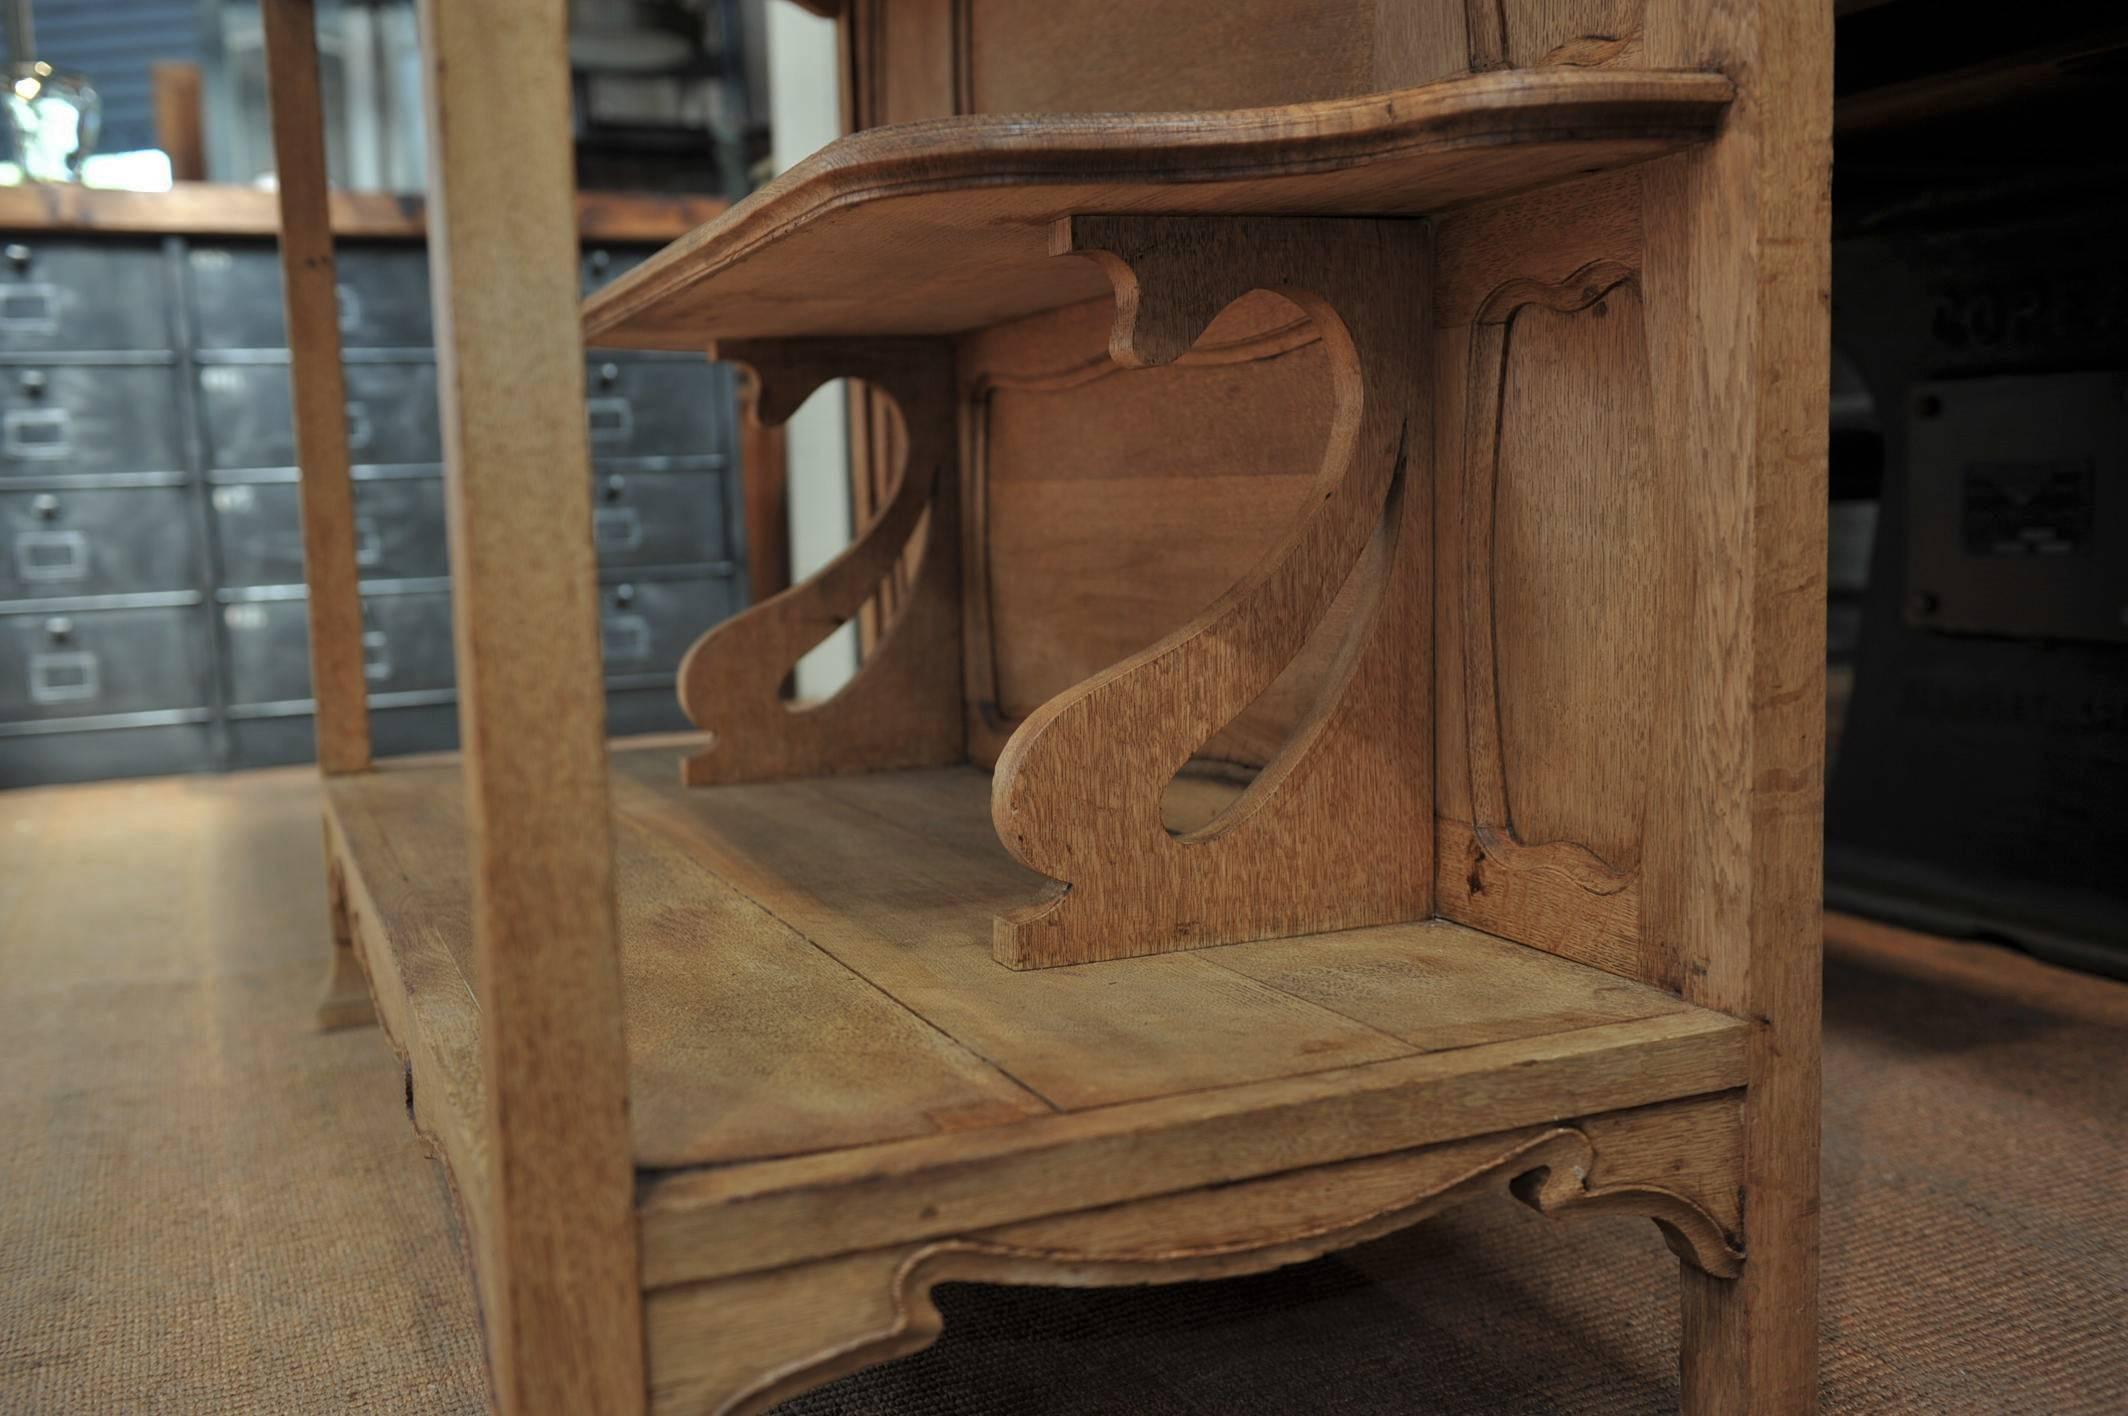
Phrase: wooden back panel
(1111, 505)
(1575, 671)
(911, 59)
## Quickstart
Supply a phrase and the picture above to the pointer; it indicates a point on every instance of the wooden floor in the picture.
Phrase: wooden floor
(807, 969)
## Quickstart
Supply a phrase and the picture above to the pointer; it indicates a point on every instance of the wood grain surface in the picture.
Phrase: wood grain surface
(558, 1271)
(939, 227)
(1334, 833)
(903, 707)
(857, 1010)
(325, 492)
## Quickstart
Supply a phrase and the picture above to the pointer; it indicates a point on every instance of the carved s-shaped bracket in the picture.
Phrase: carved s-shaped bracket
(1336, 831)
(903, 707)
(1491, 333)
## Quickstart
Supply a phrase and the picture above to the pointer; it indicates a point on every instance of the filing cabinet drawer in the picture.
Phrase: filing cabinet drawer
(658, 518)
(383, 290)
(82, 295)
(94, 542)
(278, 739)
(85, 663)
(406, 646)
(602, 265)
(399, 531)
(631, 712)
(645, 626)
(64, 419)
(391, 414)
(656, 408)
(49, 758)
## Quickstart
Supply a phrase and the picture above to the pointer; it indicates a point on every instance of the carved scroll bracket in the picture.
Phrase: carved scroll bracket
(903, 707)
(1336, 831)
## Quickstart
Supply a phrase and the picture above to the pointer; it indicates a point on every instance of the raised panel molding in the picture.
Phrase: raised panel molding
(1551, 885)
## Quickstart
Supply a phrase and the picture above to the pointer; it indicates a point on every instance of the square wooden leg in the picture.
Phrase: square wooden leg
(344, 1001)
(1750, 1343)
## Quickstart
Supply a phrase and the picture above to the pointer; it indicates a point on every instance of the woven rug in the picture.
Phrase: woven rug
(207, 1206)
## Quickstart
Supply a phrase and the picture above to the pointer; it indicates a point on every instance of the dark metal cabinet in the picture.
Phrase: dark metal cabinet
(82, 295)
(406, 646)
(74, 420)
(661, 408)
(646, 625)
(152, 612)
(602, 265)
(399, 531)
(391, 415)
(95, 541)
(88, 663)
(658, 518)
(236, 293)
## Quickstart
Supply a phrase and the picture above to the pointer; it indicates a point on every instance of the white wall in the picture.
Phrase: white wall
(804, 113)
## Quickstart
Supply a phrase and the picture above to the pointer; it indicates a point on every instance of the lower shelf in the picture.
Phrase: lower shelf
(812, 1011)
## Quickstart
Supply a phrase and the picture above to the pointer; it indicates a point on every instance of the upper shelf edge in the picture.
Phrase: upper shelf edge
(968, 199)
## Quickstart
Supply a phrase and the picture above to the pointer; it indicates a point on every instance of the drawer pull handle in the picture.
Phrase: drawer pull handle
(350, 308)
(616, 529)
(369, 546)
(625, 639)
(30, 308)
(64, 676)
(611, 419)
(358, 427)
(47, 556)
(376, 656)
(37, 433)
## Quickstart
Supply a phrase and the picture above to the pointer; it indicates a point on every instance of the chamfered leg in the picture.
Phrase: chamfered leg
(345, 1001)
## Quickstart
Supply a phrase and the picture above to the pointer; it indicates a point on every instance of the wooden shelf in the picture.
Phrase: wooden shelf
(944, 226)
(810, 996)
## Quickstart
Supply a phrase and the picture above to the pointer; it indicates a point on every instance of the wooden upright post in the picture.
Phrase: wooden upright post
(326, 492)
(558, 1274)
(176, 87)
(1738, 246)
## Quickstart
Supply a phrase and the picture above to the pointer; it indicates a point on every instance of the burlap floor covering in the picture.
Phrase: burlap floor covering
(207, 1206)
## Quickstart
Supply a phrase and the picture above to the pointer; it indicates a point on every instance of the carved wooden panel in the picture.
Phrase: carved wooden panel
(902, 709)
(1549, 560)
(745, 1343)
(1079, 787)
(1559, 382)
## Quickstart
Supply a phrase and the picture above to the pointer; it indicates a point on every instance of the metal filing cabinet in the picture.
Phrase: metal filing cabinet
(152, 614)
(106, 648)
